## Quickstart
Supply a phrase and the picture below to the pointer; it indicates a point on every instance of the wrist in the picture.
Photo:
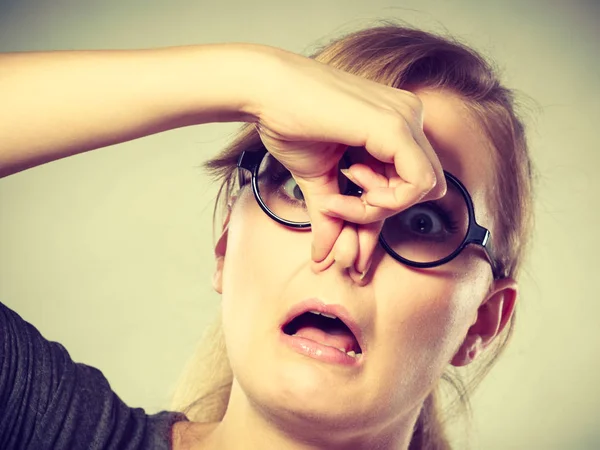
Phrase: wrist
(215, 82)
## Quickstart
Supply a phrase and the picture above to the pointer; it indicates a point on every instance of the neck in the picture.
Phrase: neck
(247, 426)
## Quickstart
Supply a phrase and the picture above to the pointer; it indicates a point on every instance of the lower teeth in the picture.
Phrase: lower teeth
(350, 353)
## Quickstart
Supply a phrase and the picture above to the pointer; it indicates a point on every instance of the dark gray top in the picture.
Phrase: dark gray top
(47, 401)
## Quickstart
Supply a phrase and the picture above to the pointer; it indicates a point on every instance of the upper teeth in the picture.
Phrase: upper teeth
(330, 316)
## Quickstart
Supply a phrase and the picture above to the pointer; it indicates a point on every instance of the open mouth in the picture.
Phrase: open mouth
(324, 329)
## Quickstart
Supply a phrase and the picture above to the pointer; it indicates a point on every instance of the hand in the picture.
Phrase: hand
(307, 115)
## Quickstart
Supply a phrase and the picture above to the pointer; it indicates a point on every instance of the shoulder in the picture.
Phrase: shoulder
(191, 435)
(47, 400)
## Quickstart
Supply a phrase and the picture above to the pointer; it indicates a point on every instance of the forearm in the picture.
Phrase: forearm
(58, 104)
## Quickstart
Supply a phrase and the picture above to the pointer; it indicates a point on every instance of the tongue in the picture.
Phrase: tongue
(341, 338)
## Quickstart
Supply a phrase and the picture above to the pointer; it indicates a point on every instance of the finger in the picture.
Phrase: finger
(396, 198)
(400, 140)
(351, 208)
(345, 250)
(324, 264)
(418, 132)
(383, 190)
(380, 191)
(354, 209)
(394, 144)
(439, 190)
(414, 113)
(368, 238)
(416, 171)
(325, 231)
(325, 228)
(412, 179)
(365, 177)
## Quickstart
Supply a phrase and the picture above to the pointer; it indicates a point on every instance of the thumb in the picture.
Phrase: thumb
(325, 229)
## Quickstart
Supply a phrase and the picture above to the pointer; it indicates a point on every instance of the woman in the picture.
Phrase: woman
(403, 156)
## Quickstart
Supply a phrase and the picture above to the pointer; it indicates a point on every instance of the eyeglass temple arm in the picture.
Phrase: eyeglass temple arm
(249, 161)
(482, 237)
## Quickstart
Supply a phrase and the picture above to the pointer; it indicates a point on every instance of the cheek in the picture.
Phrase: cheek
(261, 257)
(426, 320)
(261, 254)
(248, 259)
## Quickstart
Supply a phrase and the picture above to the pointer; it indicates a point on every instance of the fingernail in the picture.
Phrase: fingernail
(364, 272)
(347, 174)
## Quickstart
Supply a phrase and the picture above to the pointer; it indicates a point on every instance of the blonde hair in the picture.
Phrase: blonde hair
(404, 58)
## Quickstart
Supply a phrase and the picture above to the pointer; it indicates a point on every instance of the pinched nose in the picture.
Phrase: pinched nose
(345, 252)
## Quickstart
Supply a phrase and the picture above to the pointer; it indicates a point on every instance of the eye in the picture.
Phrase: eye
(292, 190)
(423, 219)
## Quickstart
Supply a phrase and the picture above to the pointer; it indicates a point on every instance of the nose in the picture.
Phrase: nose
(345, 253)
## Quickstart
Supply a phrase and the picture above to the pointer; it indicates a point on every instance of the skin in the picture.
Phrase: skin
(415, 322)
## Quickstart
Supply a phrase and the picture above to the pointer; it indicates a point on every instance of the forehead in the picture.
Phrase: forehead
(461, 146)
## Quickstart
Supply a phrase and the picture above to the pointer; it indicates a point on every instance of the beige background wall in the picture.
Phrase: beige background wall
(109, 252)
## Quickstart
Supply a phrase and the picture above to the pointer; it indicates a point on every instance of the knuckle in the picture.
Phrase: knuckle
(413, 100)
(392, 117)
(441, 188)
(427, 182)
(409, 116)
(399, 122)
(388, 127)
(364, 218)
(415, 115)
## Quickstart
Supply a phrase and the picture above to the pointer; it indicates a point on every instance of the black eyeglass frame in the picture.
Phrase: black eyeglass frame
(476, 234)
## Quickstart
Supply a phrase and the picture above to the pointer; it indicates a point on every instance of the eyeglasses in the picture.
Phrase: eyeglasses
(425, 235)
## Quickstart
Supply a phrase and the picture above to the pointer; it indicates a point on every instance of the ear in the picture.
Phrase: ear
(220, 250)
(492, 317)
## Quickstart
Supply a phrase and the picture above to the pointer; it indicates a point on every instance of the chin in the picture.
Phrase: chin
(309, 392)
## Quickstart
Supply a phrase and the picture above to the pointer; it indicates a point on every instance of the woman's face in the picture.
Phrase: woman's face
(411, 321)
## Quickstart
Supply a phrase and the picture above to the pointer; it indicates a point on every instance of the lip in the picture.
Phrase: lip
(320, 352)
(314, 349)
